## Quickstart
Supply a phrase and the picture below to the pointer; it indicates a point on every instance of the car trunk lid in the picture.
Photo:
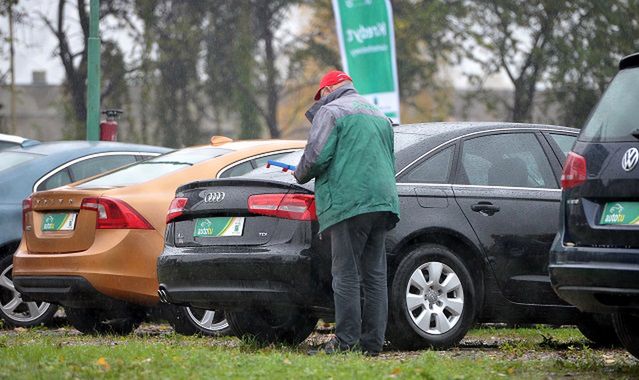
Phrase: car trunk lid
(56, 223)
(217, 213)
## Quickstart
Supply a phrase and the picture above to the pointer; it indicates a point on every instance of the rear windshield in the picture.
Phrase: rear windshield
(11, 159)
(616, 116)
(155, 167)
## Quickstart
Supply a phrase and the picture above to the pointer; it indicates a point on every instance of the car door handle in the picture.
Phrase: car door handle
(485, 208)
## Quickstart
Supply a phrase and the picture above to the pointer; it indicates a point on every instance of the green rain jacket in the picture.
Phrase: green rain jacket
(350, 155)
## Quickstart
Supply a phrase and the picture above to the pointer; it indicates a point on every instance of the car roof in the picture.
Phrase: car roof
(432, 129)
(80, 148)
(246, 144)
(12, 138)
(436, 134)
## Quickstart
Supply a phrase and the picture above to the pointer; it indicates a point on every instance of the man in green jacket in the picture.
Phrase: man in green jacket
(350, 155)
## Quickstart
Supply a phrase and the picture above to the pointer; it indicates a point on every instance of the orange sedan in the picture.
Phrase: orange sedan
(92, 246)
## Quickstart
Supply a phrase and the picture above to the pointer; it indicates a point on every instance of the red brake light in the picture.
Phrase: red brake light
(115, 214)
(26, 207)
(574, 173)
(176, 209)
(287, 206)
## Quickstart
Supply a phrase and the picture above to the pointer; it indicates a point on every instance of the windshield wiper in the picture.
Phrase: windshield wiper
(635, 133)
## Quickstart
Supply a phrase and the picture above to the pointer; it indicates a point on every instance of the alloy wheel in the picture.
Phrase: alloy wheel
(210, 320)
(13, 306)
(435, 298)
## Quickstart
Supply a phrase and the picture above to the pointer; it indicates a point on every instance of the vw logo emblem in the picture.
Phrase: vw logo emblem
(214, 197)
(630, 159)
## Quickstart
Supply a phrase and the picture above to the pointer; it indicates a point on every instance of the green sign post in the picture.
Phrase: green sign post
(93, 73)
(367, 45)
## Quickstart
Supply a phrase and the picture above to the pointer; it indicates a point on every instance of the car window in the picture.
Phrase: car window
(96, 165)
(435, 169)
(60, 178)
(238, 170)
(248, 166)
(290, 159)
(155, 167)
(261, 161)
(11, 159)
(565, 142)
(512, 159)
(615, 117)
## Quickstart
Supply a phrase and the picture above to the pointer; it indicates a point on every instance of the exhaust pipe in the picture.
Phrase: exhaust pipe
(164, 297)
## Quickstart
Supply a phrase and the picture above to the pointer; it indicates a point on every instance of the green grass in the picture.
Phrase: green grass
(519, 353)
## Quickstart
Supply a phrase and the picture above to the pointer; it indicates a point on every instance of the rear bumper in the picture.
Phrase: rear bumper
(600, 280)
(70, 291)
(120, 264)
(232, 277)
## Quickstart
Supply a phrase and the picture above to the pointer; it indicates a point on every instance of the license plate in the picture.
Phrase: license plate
(620, 213)
(218, 227)
(59, 222)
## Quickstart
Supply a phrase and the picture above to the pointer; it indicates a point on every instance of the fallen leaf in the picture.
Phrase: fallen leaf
(287, 361)
(103, 363)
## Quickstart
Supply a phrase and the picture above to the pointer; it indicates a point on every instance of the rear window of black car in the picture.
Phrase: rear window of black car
(616, 116)
(155, 167)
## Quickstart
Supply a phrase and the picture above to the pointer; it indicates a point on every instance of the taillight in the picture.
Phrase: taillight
(176, 209)
(287, 206)
(26, 207)
(115, 214)
(574, 173)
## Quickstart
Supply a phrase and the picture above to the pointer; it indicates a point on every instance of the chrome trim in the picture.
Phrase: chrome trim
(80, 159)
(231, 166)
(411, 184)
(510, 187)
(477, 133)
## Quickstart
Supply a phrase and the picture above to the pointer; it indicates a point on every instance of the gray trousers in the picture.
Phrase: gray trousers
(359, 269)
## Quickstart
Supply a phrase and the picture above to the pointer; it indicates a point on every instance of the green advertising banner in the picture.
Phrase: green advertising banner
(367, 45)
(59, 222)
(626, 213)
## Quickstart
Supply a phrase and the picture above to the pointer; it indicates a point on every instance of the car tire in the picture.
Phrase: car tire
(13, 310)
(627, 328)
(99, 322)
(266, 325)
(450, 314)
(192, 321)
(599, 329)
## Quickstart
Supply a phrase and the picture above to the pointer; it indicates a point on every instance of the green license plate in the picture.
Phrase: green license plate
(59, 222)
(620, 213)
(218, 227)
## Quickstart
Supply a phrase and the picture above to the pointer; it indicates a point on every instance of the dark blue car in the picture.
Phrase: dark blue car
(44, 166)
(594, 262)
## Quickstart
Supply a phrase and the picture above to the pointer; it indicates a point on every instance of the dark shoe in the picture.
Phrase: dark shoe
(371, 354)
(331, 347)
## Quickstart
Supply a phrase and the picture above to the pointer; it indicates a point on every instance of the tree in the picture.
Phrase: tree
(243, 59)
(74, 60)
(586, 57)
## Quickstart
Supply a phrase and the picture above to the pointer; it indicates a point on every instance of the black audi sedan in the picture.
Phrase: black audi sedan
(594, 263)
(479, 209)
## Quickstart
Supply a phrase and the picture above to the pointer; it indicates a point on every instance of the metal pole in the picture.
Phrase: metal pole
(93, 72)
(12, 89)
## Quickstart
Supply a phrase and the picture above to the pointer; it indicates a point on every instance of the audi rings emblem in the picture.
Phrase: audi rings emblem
(630, 158)
(214, 197)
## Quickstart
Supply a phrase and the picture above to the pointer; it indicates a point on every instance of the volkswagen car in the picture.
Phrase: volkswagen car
(92, 246)
(41, 166)
(479, 207)
(594, 263)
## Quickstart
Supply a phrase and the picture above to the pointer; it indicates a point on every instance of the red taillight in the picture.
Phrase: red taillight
(574, 173)
(115, 214)
(26, 207)
(287, 206)
(176, 209)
